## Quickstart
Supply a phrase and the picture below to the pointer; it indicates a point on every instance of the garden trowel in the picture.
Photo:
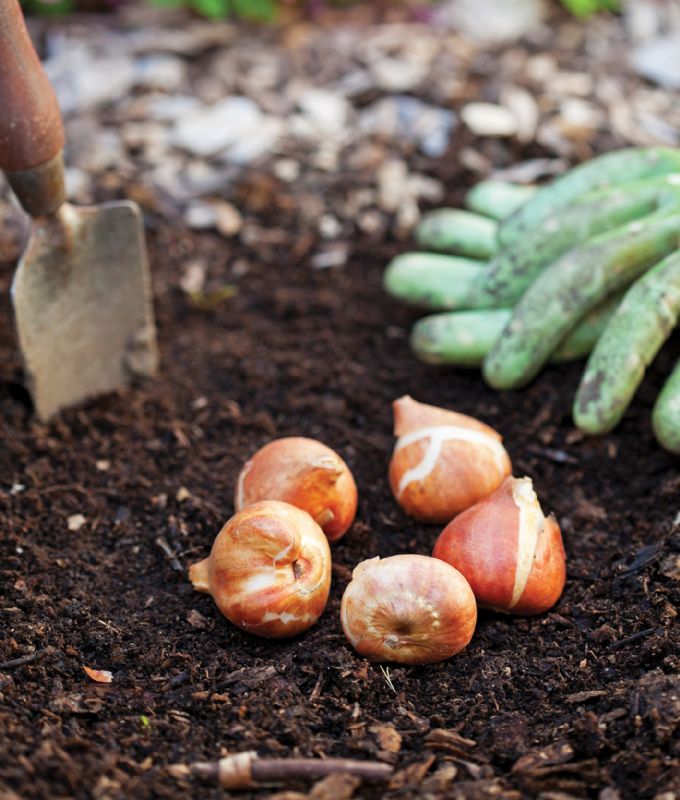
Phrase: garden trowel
(81, 292)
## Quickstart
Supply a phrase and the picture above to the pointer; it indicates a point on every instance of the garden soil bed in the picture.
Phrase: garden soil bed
(580, 702)
(321, 354)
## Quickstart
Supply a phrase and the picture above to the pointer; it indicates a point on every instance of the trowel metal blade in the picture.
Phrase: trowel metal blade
(82, 304)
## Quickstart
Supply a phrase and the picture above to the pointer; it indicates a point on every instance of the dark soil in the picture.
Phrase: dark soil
(566, 704)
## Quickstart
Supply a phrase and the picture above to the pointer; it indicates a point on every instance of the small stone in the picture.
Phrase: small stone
(330, 227)
(525, 110)
(541, 68)
(327, 111)
(103, 464)
(169, 109)
(83, 79)
(371, 221)
(327, 157)
(94, 148)
(395, 75)
(487, 119)
(148, 136)
(163, 72)
(643, 20)
(659, 61)
(257, 142)
(240, 267)
(406, 118)
(200, 215)
(209, 131)
(75, 522)
(182, 494)
(579, 84)
(193, 277)
(503, 20)
(392, 178)
(475, 161)
(228, 220)
(579, 116)
(332, 256)
(286, 169)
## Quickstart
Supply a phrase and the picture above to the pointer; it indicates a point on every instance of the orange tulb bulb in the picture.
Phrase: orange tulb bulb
(443, 461)
(269, 570)
(408, 608)
(305, 473)
(511, 554)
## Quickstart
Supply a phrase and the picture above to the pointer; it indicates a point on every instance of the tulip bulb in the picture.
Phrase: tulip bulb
(511, 554)
(305, 473)
(269, 570)
(443, 461)
(408, 608)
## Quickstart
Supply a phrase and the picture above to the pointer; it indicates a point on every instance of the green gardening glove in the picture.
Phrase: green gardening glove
(558, 263)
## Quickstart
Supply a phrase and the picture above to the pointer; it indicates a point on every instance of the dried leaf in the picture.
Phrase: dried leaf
(339, 786)
(179, 771)
(670, 567)
(558, 753)
(388, 736)
(98, 675)
(449, 742)
(581, 697)
(196, 619)
(413, 774)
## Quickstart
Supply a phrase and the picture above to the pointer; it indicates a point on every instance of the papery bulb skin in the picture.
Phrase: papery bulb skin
(443, 462)
(269, 570)
(409, 609)
(305, 473)
(511, 554)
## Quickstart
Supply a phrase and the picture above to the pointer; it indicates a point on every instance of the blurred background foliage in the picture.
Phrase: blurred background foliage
(254, 10)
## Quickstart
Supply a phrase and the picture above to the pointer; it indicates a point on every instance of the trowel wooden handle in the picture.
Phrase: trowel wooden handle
(31, 129)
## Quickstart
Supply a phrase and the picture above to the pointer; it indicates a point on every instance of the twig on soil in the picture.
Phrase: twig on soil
(246, 770)
(388, 678)
(316, 691)
(630, 639)
(19, 662)
(162, 542)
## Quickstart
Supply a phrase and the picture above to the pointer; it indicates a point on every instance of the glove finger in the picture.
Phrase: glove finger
(638, 329)
(579, 342)
(612, 169)
(459, 338)
(464, 338)
(569, 288)
(498, 199)
(666, 413)
(455, 231)
(516, 266)
(430, 280)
